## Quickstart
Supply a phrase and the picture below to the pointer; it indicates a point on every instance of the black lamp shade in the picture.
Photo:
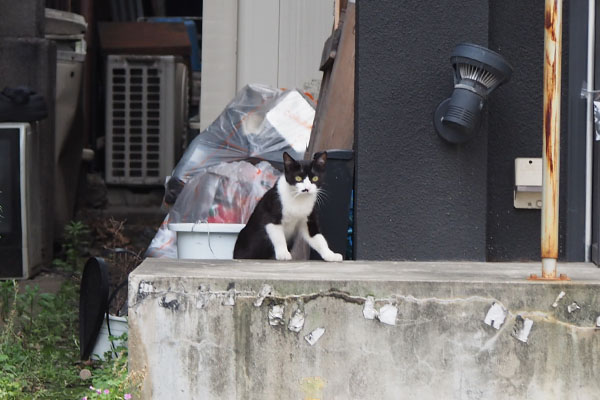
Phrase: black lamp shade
(477, 72)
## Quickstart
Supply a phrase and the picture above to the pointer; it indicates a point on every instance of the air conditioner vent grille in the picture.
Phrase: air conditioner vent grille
(143, 122)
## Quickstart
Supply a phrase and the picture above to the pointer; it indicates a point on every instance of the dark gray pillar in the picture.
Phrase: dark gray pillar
(22, 18)
(26, 58)
(417, 197)
(515, 127)
(576, 133)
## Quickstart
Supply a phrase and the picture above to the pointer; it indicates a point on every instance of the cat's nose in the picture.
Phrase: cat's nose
(304, 190)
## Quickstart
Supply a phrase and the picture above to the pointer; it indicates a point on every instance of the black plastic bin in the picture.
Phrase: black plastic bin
(335, 210)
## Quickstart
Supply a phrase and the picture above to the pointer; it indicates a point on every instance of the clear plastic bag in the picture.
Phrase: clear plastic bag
(213, 182)
(225, 193)
(259, 123)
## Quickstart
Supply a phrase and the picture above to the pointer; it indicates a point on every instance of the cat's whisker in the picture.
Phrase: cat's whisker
(321, 197)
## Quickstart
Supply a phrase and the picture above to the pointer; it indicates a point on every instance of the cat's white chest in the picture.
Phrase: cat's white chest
(295, 209)
(298, 208)
(293, 215)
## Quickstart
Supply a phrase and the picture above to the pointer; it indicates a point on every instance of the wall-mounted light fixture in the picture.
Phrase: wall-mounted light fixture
(477, 72)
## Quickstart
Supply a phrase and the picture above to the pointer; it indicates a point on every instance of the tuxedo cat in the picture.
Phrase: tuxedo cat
(285, 211)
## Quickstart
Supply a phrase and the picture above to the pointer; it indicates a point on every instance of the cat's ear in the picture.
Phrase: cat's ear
(288, 161)
(320, 159)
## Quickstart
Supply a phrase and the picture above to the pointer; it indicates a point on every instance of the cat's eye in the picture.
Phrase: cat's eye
(315, 178)
(298, 179)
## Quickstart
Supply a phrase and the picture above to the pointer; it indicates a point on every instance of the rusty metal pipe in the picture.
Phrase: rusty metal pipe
(551, 140)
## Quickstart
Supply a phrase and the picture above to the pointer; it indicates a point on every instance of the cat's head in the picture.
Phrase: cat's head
(305, 176)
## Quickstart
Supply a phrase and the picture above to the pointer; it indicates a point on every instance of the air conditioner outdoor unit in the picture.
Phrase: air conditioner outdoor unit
(21, 239)
(146, 116)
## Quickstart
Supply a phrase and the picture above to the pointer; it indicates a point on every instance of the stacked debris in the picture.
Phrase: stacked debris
(228, 167)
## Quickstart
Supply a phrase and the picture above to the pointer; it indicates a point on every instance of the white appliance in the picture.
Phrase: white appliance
(66, 30)
(146, 116)
(21, 252)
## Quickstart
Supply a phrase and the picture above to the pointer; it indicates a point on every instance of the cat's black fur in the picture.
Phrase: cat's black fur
(253, 241)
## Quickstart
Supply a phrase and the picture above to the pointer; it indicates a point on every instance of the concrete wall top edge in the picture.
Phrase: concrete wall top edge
(368, 271)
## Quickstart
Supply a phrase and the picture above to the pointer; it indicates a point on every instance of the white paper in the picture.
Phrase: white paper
(314, 336)
(293, 118)
(276, 315)
(573, 307)
(496, 315)
(296, 322)
(204, 297)
(522, 329)
(369, 311)
(229, 299)
(560, 296)
(597, 120)
(387, 314)
(264, 292)
(145, 288)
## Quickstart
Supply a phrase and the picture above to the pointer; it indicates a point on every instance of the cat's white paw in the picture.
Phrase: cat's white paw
(333, 257)
(283, 255)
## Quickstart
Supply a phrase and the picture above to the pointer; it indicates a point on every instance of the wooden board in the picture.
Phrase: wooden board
(333, 127)
(334, 120)
(144, 38)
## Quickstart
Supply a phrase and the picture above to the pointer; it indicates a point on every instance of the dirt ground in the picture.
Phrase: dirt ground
(121, 237)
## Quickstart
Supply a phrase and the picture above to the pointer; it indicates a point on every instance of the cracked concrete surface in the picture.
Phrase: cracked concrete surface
(439, 347)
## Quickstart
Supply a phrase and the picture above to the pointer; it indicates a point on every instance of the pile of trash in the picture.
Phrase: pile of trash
(228, 167)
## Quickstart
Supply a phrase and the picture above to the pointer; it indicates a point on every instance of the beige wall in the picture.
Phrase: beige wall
(273, 42)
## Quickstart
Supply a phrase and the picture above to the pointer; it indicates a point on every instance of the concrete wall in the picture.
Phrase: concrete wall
(196, 331)
(22, 18)
(418, 198)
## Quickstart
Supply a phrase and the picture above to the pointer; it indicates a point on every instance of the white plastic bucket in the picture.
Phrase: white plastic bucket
(118, 326)
(205, 240)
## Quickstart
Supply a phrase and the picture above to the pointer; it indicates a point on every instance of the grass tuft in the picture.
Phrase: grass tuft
(39, 340)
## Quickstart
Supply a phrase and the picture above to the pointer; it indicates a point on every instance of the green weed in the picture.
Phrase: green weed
(39, 341)
(38, 351)
(75, 241)
(111, 380)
